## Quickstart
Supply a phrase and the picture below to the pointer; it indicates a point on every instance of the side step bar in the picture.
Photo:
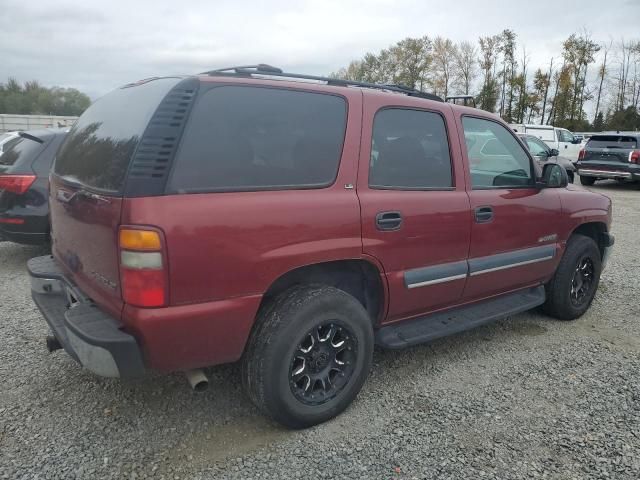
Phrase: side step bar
(437, 325)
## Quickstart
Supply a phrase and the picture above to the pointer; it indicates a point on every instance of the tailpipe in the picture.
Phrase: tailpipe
(53, 343)
(197, 379)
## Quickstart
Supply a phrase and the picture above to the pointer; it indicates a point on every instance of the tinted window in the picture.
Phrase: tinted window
(495, 156)
(98, 148)
(19, 150)
(409, 150)
(612, 141)
(248, 138)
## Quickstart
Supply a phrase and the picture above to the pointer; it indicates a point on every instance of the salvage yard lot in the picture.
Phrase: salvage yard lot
(527, 397)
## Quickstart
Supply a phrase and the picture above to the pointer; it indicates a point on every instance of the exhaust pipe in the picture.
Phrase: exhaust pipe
(197, 379)
(53, 343)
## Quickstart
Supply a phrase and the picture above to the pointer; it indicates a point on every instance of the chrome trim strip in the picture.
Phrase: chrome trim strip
(437, 280)
(512, 265)
(604, 173)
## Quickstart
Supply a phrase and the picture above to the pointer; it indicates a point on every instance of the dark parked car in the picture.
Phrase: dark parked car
(293, 224)
(24, 185)
(610, 156)
(544, 154)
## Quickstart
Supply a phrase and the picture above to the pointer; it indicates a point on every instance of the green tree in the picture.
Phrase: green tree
(33, 99)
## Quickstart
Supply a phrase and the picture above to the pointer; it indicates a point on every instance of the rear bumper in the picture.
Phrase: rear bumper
(88, 335)
(623, 172)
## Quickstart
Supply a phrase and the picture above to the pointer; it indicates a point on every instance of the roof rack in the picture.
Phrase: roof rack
(268, 70)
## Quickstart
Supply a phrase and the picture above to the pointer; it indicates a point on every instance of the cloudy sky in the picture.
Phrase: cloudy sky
(96, 46)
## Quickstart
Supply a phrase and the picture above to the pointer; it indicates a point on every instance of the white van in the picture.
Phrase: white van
(559, 138)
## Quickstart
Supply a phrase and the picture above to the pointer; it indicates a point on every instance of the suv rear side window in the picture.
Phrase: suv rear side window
(496, 158)
(409, 151)
(252, 138)
(612, 141)
(98, 148)
(19, 150)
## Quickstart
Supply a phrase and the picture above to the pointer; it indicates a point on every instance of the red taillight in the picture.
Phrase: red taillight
(16, 183)
(581, 154)
(142, 267)
(634, 156)
(12, 221)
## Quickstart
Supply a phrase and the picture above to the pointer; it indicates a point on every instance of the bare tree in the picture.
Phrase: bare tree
(602, 73)
(443, 64)
(465, 63)
(546, 91)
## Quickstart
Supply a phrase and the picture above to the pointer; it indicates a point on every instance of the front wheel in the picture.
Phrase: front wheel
(588, 181)
(308, 356)
(573, 286)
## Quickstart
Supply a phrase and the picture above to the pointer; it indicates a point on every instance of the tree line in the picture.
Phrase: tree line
(31, 98)
(497, 72)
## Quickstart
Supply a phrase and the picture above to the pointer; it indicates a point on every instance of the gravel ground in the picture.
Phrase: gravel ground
(527, 397)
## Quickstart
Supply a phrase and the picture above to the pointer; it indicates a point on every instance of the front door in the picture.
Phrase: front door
(515, 225)
(414, 207)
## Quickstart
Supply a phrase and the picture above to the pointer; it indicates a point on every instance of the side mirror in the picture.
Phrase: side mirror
(554, 152)
(554, 176)
(576, 141)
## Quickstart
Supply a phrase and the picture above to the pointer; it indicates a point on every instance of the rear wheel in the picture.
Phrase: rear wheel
(308, 356)
(588, 181)
(573, 286)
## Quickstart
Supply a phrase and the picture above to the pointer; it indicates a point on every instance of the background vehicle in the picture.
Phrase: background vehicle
(559, 138)
(543, 154)
(610, 156)
(292, 221)
(24, 185)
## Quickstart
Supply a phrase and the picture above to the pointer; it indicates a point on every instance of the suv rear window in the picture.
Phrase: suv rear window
(18, 150)
(255, 138)
(612, 141)
(97, 151)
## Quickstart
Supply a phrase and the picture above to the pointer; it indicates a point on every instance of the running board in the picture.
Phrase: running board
(437, 325)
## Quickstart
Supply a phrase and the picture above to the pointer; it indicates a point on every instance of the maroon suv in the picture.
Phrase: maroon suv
(293, 222)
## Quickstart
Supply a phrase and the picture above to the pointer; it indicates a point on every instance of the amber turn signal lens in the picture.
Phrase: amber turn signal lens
(131, 239)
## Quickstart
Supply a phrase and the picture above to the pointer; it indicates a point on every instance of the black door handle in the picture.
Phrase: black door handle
(484, 214)
(387, 221)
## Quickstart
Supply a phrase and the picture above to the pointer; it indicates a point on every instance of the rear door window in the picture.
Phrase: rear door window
(253, 138)
(97, 150)
(409, 151)
(613, 141)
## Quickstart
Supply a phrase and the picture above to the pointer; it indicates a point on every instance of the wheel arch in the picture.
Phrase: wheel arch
(361, 278)
(595, 231)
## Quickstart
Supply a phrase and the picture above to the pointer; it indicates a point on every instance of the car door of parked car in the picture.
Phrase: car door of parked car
(515, 225)
(566, 144)
(415, 210)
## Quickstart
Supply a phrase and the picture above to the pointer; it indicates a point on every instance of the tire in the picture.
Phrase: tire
(274, 356)
(562, 291)
(588, 181)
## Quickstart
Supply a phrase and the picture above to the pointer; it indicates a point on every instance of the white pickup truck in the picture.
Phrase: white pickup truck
(559, 138)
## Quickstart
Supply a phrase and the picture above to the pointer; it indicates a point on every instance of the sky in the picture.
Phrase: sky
(97, 46)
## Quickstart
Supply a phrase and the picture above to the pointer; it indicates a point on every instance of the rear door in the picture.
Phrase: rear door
(88, 183)
(515, 225)
(414, 207)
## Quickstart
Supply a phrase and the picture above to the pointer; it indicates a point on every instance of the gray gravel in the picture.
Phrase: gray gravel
(527, 397)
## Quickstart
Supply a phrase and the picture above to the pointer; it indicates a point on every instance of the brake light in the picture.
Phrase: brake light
(581, 154)
(634, 156)
(143, 271)
(16, 183)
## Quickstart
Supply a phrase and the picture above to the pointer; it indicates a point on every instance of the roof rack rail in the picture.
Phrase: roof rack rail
(268, 70)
